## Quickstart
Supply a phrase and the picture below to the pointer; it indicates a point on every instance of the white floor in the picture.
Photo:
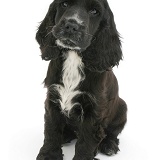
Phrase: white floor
(25, 144)
(22, 71)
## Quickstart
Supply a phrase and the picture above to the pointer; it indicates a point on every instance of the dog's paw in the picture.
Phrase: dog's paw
(109, 147)
(51, 155)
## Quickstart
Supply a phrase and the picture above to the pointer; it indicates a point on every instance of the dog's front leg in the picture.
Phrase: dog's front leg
(51, 150)
(89, 137)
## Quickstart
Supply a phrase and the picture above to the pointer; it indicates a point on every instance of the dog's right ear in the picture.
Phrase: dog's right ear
(45, 37)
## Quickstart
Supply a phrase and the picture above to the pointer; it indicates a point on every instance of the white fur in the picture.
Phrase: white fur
(71, 77)
(59, 43)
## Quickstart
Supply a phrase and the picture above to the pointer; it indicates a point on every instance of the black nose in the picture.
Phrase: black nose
(71, 27)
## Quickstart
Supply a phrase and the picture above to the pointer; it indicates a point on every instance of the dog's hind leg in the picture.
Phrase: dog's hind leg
(109, 144)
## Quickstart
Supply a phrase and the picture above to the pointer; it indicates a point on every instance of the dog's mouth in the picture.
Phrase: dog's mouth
(68, 44)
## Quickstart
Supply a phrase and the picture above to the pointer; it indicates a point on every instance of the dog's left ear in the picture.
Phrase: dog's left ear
(44, 36)
(105, 49)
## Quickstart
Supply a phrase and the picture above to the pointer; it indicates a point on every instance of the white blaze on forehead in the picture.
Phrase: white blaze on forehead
(76, 18)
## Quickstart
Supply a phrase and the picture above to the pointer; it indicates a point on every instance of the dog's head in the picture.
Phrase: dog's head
(83, 25)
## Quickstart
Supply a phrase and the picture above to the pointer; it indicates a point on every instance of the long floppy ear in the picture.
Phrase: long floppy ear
(44, 36)
(105, 50)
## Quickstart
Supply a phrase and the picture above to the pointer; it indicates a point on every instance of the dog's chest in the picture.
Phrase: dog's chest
(72, 75)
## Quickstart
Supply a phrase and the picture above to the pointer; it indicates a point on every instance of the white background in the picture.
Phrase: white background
(22, 72)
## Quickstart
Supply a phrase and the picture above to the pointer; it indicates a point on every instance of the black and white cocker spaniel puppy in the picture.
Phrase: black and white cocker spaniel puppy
(81, 40)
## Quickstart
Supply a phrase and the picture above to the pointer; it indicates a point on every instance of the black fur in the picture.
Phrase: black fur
(104, 113)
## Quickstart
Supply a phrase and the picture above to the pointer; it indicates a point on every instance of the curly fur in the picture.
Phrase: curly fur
(82, 99)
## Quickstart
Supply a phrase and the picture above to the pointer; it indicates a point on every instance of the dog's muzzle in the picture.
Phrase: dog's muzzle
(70, 34)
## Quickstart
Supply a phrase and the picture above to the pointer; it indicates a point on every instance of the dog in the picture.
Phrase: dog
(80, 39)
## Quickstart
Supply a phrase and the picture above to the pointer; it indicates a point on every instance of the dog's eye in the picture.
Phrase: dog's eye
(94, 11)
(64, 4)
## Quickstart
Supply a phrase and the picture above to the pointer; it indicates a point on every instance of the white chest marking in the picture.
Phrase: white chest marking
(72, 75)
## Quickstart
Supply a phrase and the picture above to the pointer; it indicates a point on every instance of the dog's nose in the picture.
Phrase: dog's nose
(71, 27)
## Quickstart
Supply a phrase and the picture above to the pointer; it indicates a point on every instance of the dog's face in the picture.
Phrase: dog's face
(84, 25)
(76, 22)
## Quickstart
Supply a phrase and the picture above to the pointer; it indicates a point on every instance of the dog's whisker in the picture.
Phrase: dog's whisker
(89, 34)
(48, 27)
(48, 33)
(93, 37)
